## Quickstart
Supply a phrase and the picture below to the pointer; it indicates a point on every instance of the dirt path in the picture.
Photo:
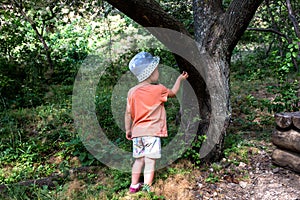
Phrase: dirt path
(264, 183)
(259, 179)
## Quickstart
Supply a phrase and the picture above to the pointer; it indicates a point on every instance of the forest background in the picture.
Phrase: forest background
(44, 44)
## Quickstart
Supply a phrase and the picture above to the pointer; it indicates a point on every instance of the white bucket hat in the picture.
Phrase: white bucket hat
(142, 65)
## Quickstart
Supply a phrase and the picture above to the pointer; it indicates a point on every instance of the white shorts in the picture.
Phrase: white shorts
(147, 146)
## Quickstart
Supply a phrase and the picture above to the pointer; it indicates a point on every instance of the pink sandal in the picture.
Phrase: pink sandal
(135, 190)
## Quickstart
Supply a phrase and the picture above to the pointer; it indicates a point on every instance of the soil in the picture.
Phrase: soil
(252, 177)
(259, 179)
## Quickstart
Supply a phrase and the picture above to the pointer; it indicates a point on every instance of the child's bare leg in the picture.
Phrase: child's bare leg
(149, 170)
(136, 170)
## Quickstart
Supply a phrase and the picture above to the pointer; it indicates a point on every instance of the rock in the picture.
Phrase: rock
(243, 184)
(242, 165)
(276, 170)
(200, 185)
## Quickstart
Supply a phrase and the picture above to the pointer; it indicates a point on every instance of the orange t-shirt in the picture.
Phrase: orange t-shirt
(145, 103)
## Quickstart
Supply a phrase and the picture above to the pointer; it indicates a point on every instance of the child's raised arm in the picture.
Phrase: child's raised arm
(176, 85)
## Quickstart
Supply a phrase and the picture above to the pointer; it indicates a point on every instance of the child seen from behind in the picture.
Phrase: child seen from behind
(145, 117)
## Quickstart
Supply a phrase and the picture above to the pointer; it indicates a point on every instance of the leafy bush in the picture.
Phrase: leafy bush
(30, 137)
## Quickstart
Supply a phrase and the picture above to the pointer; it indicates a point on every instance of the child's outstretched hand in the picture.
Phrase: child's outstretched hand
(176, 86)
(184, 75)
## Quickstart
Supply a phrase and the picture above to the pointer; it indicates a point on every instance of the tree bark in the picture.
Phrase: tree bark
(296, 120)
(217, 33)
(287, 120)
(286, 159)
(283, 120)
(289, 140)
(286, 137)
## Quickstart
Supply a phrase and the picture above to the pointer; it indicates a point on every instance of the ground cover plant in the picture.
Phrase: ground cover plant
(40, 142)
(27, 156)
(41, 153)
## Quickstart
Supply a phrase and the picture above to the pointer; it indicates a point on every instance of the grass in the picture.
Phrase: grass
(38, 142)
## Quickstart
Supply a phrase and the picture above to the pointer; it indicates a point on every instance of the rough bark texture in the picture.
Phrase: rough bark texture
(287, 140)
(217, 32)
(286, 159)
(283, 120)
(286, 137)
(287, 120)
(296, 121)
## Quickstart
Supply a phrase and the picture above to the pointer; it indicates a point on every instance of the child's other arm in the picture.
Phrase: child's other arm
(176, 85)
(128, 122)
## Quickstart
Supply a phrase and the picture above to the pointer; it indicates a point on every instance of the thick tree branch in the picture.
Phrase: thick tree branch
(217, 31)
(148, 14)
(237, 18)
(214, 5)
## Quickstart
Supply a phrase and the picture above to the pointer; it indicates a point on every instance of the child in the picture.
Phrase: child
(145, 116)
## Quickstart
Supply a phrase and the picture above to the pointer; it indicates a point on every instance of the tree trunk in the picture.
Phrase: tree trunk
(216, 33)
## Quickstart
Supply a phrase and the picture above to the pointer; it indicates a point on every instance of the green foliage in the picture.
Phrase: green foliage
(286, 99)
(37, 133)
(70, 47)
(24, 68)
(121, 180)
(181, 10)
(280, 68)
(284, 89)
(212, 178)
(16, 53)
(30, 138)
(192, 153)
(237, 148)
